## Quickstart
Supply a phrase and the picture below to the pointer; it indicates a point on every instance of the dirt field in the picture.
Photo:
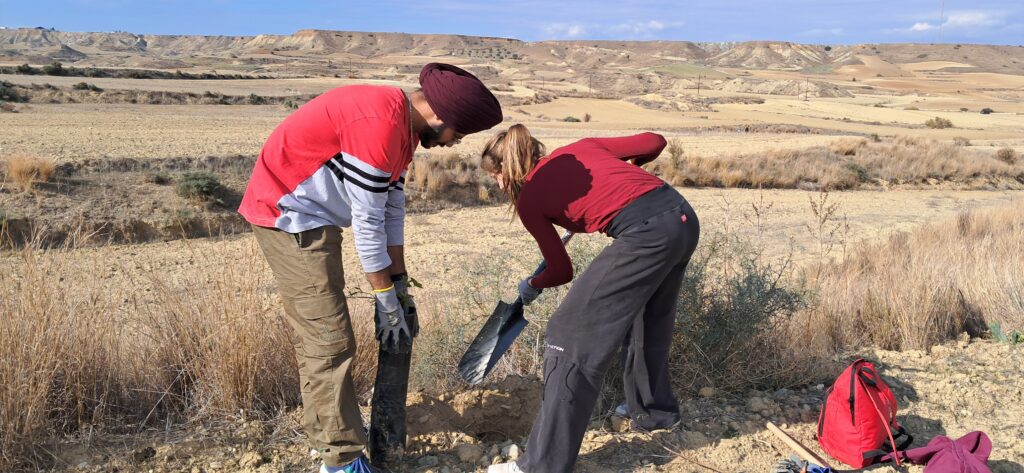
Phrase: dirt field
(440, 245)
(954, 389)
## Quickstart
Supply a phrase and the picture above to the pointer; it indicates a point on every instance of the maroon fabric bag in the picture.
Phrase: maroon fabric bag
(967, 454)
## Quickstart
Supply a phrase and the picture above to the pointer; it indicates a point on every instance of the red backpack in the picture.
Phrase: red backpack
(858, 417)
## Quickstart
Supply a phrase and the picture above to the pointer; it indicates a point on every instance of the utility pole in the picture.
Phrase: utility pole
(806, 88)
(698, 84)
(942, 14)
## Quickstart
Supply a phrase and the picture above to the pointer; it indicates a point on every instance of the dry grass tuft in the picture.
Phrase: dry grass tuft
(920, 288)
(847, 146)
(451, 177)
(27, 171)
(1007, 155)
(938, 122)
(844, 164)
(128, 348)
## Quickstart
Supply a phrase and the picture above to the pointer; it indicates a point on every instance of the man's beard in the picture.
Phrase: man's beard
(429, 136)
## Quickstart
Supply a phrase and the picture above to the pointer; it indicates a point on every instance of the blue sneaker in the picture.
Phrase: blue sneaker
(359, 465)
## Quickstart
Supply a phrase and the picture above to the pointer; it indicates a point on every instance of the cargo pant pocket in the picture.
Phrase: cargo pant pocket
(324, 326)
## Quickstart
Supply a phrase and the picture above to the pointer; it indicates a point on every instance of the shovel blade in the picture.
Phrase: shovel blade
(495, 337)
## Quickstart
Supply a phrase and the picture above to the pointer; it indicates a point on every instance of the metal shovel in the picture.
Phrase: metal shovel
(497, 335)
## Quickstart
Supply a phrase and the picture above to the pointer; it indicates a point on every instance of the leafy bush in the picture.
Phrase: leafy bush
(860, 171)
(1007, 155)
(54, 69)
(9, 93)
(26, 69)
(961, 141)
(158, 177)
(938, 122)
(986, 111)
(86, 86)
(732, 307)
(201, 187)
(571, 119)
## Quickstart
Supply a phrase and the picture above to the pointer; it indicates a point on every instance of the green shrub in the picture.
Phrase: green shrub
(201, 187)
(26, 69)
(862, 173)
(54, 69)
(1007, 155)
(8, 93)
(571, 119)
(256, 100)
(938, 122)
(86, 86)
(732, 307)
(986, 111)
(158, 177)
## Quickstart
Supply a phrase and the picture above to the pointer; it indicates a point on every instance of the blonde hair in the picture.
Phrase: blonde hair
(513, 154)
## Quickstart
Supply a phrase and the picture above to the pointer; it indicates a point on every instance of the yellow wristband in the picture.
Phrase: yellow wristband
(386, 289)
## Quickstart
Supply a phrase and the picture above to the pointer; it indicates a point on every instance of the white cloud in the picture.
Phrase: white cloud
(971, 19)
(922, 26)
(565, 30)
(962, 21)
(644, 29)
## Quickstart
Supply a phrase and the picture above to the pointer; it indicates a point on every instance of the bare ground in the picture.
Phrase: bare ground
(958, 387)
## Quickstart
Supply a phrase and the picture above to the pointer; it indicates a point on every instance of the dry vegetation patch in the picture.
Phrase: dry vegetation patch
(921, 288)
(131, 352)
(27, 171)
(129, 347)
(847, 163)
(84, 92)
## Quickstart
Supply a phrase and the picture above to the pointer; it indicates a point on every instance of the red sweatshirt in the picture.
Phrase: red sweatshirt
(581, 187)
(338, 160)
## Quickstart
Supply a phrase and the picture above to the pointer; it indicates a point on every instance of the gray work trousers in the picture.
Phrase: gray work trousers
(629, 290)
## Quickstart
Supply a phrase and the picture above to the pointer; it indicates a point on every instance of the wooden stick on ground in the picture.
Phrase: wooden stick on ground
(797, 447)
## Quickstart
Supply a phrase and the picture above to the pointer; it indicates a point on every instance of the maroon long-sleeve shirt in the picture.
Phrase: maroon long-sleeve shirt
(581, 187)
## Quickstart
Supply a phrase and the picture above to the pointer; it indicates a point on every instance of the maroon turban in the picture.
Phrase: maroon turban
(459, 99)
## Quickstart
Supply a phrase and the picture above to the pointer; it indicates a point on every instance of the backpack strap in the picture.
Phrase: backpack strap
(887, 423)
(895, 453)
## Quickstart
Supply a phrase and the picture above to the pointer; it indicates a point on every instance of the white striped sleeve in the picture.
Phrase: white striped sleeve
(394, 213)
(367, 187)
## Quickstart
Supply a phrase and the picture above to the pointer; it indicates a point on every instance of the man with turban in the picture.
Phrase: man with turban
(339, 161)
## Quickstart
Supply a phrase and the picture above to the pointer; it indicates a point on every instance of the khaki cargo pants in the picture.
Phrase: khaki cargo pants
(307, 267)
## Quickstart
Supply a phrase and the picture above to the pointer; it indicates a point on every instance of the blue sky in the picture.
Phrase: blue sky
(826, 22)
